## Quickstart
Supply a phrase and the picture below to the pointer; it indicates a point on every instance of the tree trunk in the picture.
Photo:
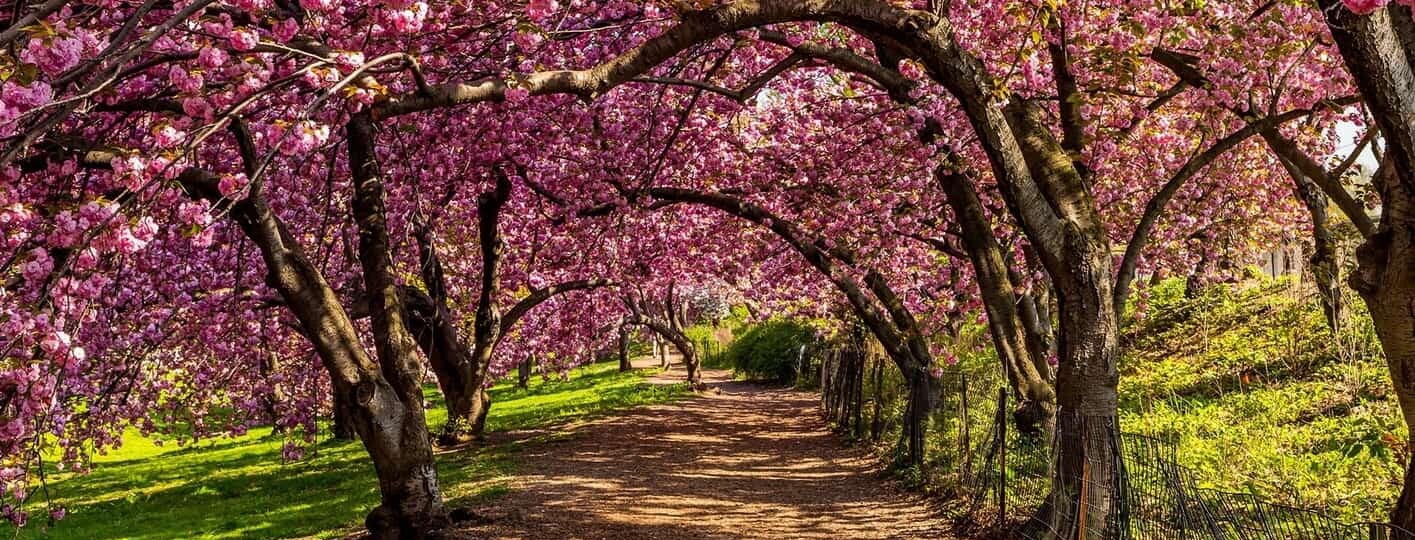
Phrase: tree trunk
(661, 349)
(1035, 396)
(268, 367)
(1323, 259)
(1378, 50)
(451, 361)
(391, 421)
(343, 426)
(916, 418)
(1086, 477)
(686, 349)
(1385, 278)
(1035, 307)
(1087, 469)
(523, 372)
(624, 363)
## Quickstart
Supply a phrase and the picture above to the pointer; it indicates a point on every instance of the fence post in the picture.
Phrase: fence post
(1001, 458)
(964, 431)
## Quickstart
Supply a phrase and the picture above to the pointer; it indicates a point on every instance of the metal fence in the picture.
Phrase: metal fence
(1124, 486)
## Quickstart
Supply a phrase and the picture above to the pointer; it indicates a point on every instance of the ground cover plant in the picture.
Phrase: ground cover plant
(241, 488)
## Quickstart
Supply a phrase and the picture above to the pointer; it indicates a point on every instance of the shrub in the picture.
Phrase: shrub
(769, 351)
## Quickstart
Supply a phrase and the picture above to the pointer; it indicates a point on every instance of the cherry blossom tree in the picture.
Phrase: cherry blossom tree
(222, 180)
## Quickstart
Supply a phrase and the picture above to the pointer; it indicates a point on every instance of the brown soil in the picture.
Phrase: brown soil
(739, 461)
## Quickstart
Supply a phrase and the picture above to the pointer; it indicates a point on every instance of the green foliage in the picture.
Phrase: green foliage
(713, 340)
(769, 351)
(1262, 397)
(239, 488)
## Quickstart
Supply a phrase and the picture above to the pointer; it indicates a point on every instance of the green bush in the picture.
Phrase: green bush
(769, 351)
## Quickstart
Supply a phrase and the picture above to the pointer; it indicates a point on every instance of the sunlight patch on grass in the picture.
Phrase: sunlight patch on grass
(239, 488)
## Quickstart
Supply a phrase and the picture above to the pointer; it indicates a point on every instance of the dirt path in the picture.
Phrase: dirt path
(745, 461)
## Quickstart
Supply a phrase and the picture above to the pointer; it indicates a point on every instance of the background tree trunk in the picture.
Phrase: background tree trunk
(523, 372)
(268, 367)
(624, 363)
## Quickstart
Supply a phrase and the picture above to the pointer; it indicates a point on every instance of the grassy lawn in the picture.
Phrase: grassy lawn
(238, 487)
(1261, 397)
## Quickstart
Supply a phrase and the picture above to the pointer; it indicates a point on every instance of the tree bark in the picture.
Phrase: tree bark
(1378, 50)
(396, 431)
(624, 363)
(342, 427)
(1322, 260)
(523, 372)
(1036, 399)
(269, 365)
(1385, 279)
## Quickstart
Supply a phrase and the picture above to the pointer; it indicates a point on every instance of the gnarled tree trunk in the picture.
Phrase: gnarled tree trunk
(385, 400)
(1379, 49)
(393, 427)
(342, 426)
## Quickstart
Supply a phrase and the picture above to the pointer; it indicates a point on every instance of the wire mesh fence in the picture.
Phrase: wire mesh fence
(1105, 485)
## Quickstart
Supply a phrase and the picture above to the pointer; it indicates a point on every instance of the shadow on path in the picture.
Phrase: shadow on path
(739, 461)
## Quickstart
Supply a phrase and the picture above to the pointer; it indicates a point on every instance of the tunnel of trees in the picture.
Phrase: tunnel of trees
(200, 196)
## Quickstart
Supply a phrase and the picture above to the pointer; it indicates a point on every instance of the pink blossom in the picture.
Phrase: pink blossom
(516, 94)
(936, 372)
(348, 60)
(168, 136)
(251, 6)
(540, 10)
(286, 29)
(29, 96)
(196, 212)
(244, 39)
(55, 343)
(184, 80)
(527, 39)
(212, 58)
(38, 267)
(229, 184)
(409, 20)
(291, 451)
(54, 55)
(198, 108)
(1364, 7)
(303, 138)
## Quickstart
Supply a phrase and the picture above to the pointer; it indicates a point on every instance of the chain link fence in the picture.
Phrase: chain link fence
(1116, 486)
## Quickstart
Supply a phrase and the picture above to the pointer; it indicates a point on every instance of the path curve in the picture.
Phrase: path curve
(740, 461)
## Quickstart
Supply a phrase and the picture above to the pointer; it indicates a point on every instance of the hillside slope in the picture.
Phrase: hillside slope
(1261, 397)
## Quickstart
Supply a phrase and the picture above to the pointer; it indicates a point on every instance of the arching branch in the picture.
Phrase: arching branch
(1157, 203)
(539, 296)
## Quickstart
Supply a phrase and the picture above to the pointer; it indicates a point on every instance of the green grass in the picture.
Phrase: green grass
(239, 488)
(1261, 397)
